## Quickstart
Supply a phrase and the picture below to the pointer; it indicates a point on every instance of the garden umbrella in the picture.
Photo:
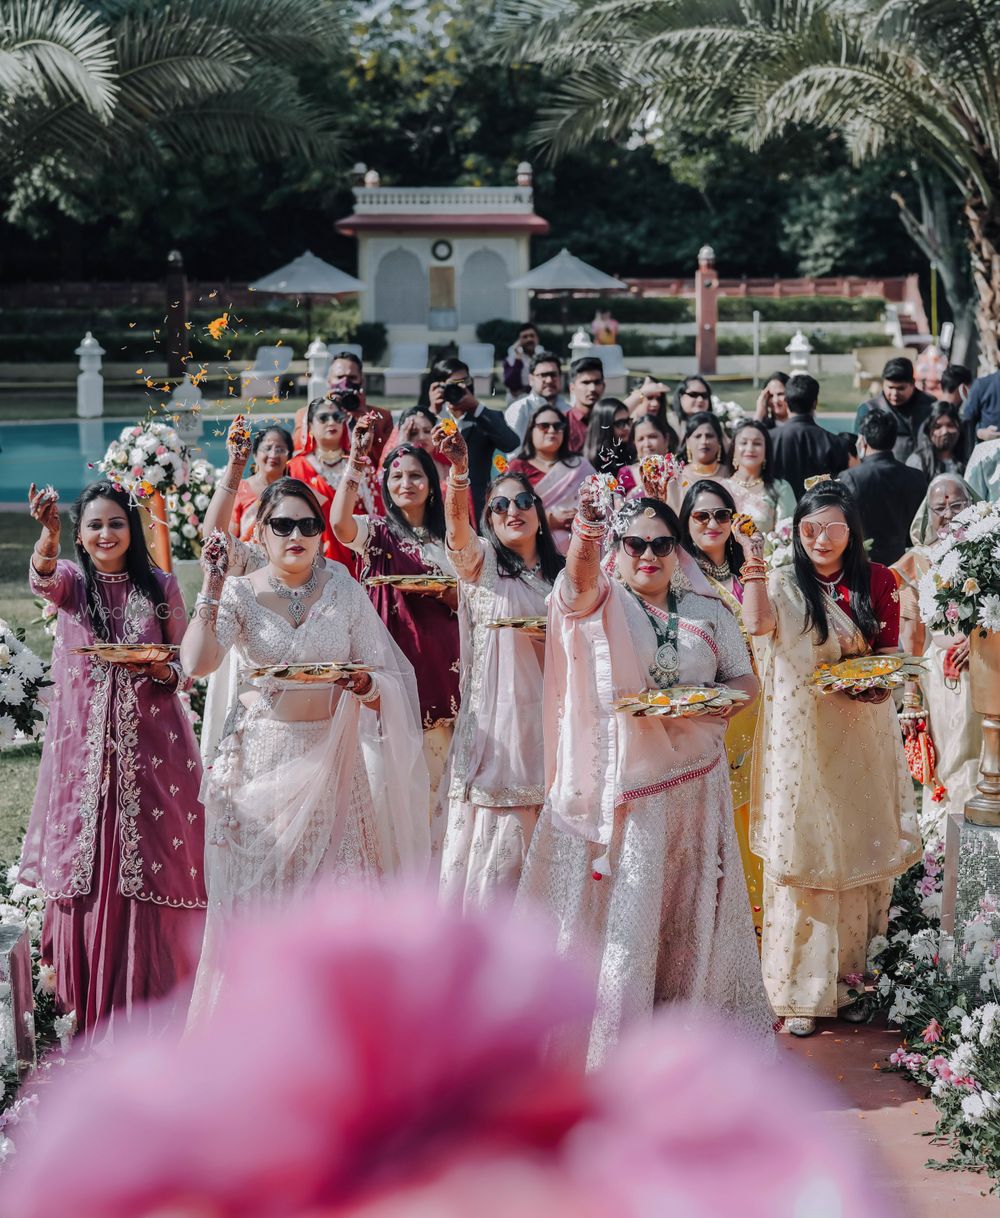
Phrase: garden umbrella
(308, 276)
(566, 274)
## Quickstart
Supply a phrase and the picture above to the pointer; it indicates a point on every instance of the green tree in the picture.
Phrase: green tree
(917, 76)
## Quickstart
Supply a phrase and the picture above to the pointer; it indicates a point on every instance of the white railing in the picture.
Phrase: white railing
(385, 199)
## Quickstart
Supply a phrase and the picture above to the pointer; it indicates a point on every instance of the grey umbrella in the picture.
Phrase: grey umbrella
(566, 273)
(308, 276)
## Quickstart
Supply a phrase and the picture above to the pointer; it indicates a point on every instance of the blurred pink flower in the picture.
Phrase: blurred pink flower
(932, 1033)
(372, 1056)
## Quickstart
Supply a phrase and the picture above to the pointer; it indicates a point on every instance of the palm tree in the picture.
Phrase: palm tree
(139, 78)
(916, 75)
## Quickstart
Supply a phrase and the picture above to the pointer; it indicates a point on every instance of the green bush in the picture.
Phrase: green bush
(636, 342)
(371, 336)
(801, 308)
(821, 342)
(580, 310)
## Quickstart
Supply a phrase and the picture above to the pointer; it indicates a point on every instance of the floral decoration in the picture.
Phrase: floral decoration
(961, 589)
(186, 507)
(147, 458)
(23, 676)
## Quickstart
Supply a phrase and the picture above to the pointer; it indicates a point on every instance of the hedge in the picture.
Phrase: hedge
(649, 309)
(801, 308)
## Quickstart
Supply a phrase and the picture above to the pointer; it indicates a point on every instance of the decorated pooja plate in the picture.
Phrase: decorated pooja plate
(414, 583)
(129, 653)
(291, 676)
(534, 626)
(680, 701)
(866, 672)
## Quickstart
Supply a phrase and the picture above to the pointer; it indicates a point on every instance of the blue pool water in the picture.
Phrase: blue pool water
(58, 452)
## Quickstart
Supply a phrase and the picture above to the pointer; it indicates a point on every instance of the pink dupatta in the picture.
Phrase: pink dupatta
(559, 489)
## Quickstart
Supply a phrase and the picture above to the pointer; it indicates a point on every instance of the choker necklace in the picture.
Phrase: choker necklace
(707, 470)
(295, 596)
(749, 483)
(719, 571)
(329, 464)
(118, 577)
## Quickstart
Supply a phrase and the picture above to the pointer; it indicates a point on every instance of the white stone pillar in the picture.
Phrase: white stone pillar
(317, 362)
(90, 381)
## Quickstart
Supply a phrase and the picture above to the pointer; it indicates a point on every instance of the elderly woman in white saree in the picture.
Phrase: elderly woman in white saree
(832, 808)
(324, 781)
(635, 858)
(943, 697)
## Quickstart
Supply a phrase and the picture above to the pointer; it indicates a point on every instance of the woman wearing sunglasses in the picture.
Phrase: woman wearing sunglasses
(310, 782)
(708, 516)
(703, 451)
(635, 858)
(942, 699)
(497, 779)
(409, 540)
(321, 466)
(552, 470)
(832, 805)
(692, 396)
(753, 485)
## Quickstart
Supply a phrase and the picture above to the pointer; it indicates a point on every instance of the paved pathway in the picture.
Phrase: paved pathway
(889, 1113)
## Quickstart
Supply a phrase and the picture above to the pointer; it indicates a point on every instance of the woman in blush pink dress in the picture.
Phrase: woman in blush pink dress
(116, 836)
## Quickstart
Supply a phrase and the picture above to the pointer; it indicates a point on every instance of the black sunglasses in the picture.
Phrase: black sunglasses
(555, 425)
(696, 393)
(635, 547)
(331, 416)
(719, 515)
(285, 526)
(523, 500)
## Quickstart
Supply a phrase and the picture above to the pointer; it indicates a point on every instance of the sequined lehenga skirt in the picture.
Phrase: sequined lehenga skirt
(671, 923)
(268, 841)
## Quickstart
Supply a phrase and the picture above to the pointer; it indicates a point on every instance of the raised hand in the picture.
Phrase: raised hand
(448, 441)
(215, 555)
(363, 435)
(238, 441)
(592, 502)
(655, 474)
(44, 507)
(748, 535)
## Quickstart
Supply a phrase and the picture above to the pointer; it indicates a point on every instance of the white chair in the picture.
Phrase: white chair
(479, 359)
(263, 378)
(615, 372)
(406, 367)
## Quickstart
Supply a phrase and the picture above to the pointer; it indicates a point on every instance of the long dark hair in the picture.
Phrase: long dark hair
(734, 551)
(694, 421)
(926, 451)
(857, 568)
(434, 507)
(138, 564)
(689, 380)
(767, 469)
(508, 562)
(565, 453)
(602, 449)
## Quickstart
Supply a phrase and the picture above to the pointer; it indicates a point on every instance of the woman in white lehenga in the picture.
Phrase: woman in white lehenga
(496, 767)
(635, 857)
(313, 782)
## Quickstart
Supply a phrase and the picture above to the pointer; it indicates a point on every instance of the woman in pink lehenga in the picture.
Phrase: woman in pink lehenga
(116, 836)
(635, 858)
(497, 779)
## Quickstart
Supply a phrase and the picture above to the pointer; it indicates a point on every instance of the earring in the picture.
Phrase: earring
(317, 561)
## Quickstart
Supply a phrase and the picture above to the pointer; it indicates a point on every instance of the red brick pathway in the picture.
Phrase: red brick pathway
(889, 1113)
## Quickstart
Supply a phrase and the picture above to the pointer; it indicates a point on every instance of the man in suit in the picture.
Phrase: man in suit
(803, 449)
(887, 492)
(484, 431)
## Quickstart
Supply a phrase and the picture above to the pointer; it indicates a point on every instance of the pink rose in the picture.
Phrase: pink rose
(186, 497)
(193, 519)
(136, 471)
(951, 613)
(160, 450)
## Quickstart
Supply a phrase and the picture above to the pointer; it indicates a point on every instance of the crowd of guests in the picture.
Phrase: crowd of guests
(491, 584)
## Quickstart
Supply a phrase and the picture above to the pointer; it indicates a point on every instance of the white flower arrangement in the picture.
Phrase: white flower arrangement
(731, 414)
(961, 589)
(147, 458)
(23, 676)
(778, 544)
(186, 507)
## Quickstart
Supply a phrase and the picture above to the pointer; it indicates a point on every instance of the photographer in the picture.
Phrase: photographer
(346, 381)
(484, 431)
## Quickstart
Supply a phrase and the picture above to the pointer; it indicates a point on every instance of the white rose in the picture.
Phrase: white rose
(189, 531)
(201, 502)
(136, 456)
(174, 537)
(156, 474)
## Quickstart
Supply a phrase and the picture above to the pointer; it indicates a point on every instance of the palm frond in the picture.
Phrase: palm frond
(58, 49)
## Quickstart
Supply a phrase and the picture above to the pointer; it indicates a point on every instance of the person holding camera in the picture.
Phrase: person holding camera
(346, 391)
(484, 431)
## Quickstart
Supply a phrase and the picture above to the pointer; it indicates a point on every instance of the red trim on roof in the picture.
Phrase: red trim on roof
(490, 222)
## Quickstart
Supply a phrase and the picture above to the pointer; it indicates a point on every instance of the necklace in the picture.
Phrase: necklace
(331, 463)
(720, 571)
(708, 470)
(750, 483)
(118, 577)
(295, 596)
(829, 586)
(666, 665)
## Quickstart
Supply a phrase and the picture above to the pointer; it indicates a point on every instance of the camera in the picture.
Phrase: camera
(346, 399)
(454, 392)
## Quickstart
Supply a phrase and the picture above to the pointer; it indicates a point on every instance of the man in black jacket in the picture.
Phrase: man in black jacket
(907, 404)
(484, 431)
(887, 492)
(802, 448)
